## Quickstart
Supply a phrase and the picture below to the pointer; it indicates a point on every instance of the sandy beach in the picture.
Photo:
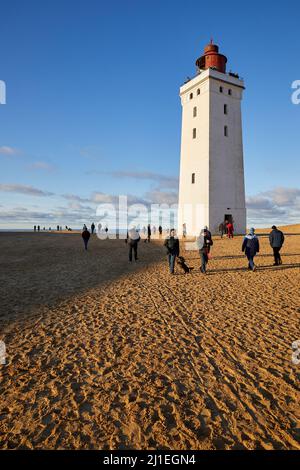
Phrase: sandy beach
(103, 354)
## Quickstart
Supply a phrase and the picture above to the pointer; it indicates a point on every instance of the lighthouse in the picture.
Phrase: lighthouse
(211, 183)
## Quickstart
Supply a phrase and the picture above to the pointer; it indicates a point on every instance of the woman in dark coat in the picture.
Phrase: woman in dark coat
(85, 236)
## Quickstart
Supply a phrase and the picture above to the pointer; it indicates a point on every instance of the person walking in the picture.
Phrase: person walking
(172, 245)
(209, 238)
(93, 228)
(85, 236)
(204, 242)
(133, 237)
(230, 230)
(160, 231)
(276, 239)
(34, 228)
(251, 248)
(222, 229)
(149, 233)
(184, 230)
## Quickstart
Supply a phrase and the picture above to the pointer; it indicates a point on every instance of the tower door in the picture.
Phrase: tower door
(228, 217)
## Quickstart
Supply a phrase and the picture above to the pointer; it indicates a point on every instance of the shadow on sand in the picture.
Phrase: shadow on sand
(258, 268)
(283, 255)
(210, 272)
(43, 269)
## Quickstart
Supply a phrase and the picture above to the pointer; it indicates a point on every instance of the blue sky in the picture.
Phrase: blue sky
(93, 109)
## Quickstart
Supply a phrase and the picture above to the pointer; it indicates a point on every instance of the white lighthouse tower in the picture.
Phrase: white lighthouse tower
(211, 184)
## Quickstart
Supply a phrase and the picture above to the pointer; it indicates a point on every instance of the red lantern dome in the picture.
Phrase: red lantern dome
(212, 59)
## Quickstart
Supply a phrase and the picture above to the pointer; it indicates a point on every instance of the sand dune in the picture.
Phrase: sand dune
(103, 354)
(291, 229)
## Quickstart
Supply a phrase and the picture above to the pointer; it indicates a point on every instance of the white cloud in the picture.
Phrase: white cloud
(74, 197)
(162, 197)
(9, 151)
(100, 198)
(23, 189)
(163, 181)
(61, 216)
(40, 165)
(279, 205)
(284, 196)
(73, 205)
(104, 198)
(23, 215)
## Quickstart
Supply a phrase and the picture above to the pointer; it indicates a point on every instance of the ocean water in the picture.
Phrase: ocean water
(30, 230)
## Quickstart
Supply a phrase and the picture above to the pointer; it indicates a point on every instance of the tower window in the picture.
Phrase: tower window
(198, 91)
(191, 96)
(193, 178)
(221, 89)
(225, 109)
(225, 131)
(194, 133)
(229, 92)
(195, 111)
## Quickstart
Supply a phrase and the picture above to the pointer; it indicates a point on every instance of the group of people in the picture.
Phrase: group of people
(37, 228)
(86, 234)
(148, 232)
(133, 236)
(226, 228)
(250, 247)
(204, 242)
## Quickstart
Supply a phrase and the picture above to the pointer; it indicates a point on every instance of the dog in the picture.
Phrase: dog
(181, 262)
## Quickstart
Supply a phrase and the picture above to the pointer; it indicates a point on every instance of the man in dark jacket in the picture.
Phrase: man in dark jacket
(222, 229)
(251, 247)
(204, 243)
(276, 238)
(172, 245)
(208, 237)
(149, 233)
(85, 236)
